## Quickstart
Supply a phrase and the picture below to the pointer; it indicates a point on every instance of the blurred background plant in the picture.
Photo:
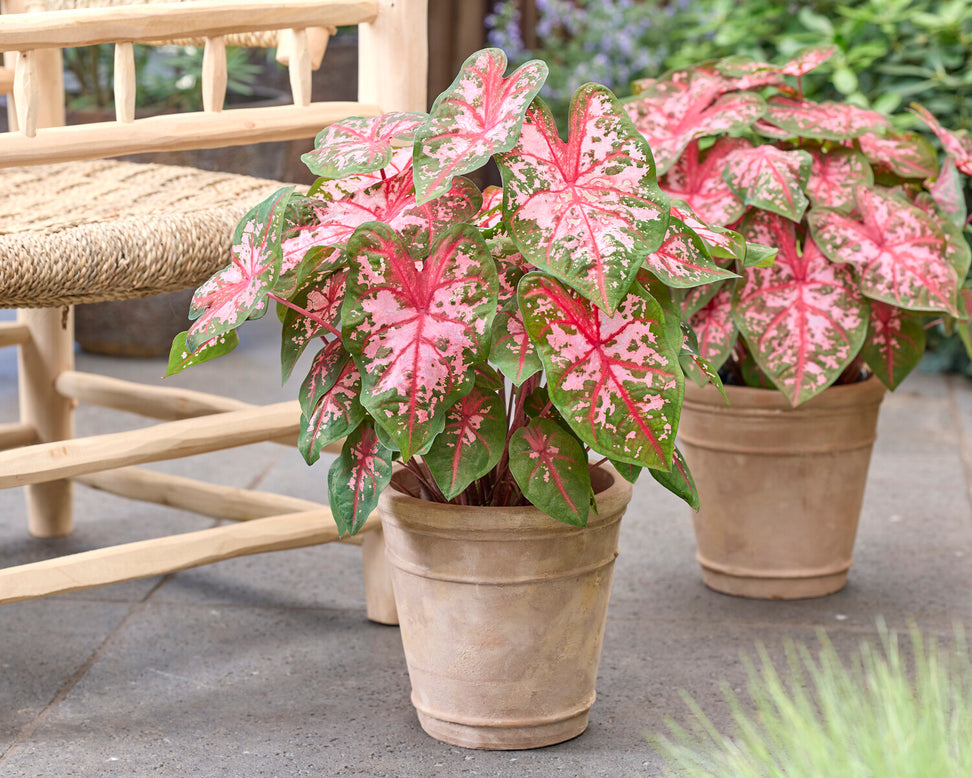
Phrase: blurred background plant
(167, 76)
(879, 715)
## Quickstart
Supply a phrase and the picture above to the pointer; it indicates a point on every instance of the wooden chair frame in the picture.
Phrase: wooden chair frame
(42, 453)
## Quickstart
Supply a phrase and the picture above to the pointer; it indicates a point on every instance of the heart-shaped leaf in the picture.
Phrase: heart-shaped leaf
(769, 178)
(713, 325)
(905, 154)
(330, 408)
(342, 188)
(895, 343)
(551, 469)
(822, 121)
(721, 242)
(948, 194)
(615, 379)
(320, 302)
(698, 181)
(357, 478)
(180, 357)
(834, 175)
(807, 60)
(471, 443)
(679, 480)
(804, 318)
(898, 250)
(683, 259)
(675, 111)
(417, 329)
(511, 350)
(477, 116)
(958, 147)
(239, 290)
(587, 211)
(360, 144)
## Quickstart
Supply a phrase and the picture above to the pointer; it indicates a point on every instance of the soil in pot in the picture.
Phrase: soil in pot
(502, 614)
(781, 488)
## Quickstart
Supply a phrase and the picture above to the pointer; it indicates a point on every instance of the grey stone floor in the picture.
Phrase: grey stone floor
(266, 665)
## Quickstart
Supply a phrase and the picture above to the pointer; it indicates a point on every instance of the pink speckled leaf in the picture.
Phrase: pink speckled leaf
(329, 403)
(239, 290)
(673, 112)
(615, 379)
(957, 252)
(699, 182)
(322, 299)
(357, 478)
(471, 443)
(897, 249)
(834, 175)
(417, 328)
(477, 116)
(895, 343)
(804, 318)
(956, 146)
(808, 60)
(491, 214)
(822, 121)
(904, 154)
(683, 259)
(721, 242)
(948, 194)
(714, 327)
(587, 211)
(551, 469)
(742, 73)
(360, 144)
(678, 480)
(341, 188)
(180, 357)
(769, 178)
(511, 349)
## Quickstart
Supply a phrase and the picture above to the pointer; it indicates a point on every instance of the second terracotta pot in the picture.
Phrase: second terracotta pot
(781, 488)
(502, 614)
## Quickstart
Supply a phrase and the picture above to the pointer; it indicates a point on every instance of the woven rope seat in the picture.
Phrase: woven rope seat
(108, 230)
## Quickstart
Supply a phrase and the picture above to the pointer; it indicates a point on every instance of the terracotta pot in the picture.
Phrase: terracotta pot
(502, 614)
(781, 487)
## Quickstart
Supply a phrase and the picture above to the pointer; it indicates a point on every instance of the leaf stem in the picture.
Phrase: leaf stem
(304, 312)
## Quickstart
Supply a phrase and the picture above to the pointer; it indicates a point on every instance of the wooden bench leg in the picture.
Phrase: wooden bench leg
(379, 596)
(49, 351)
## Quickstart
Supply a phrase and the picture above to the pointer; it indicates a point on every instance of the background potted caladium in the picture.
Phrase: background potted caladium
(869, 232)
(501, 348)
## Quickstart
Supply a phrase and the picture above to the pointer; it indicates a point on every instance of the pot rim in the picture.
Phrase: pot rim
(611, 502)
(870, 391)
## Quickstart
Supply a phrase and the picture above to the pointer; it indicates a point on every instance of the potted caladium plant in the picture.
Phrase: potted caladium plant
(486, 357)
(869, 232)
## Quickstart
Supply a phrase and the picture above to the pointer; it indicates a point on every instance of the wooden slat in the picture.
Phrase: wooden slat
(300, 68)
(160, 556)
(172, 440)
(26, 91)
(174, 132)
(202, 19)
(13, 333)
(6, 80)
(124, 82)
(214, 75)
(17, 434)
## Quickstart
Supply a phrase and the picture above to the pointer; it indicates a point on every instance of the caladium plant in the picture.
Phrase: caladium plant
(869, 229)
(497, 344)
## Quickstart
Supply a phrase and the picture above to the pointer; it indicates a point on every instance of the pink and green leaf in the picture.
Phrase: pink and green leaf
(899, 251)
(589, 210)
(614, 378)
(359, 144)
(471, 443)
(947, 192)
(904, 154)
(698, 181)
(239, 291)
(678, 480)
(715, 330)
(477, 116)
(769, 178)
(834, 175)
(895, 343)
(357, 478)
(552, 471)
(956, 146)
(512, 351)
(721, 242)
(330, 408)
(822, 121)
(683, 259)
(180, 357)
(958, 252)
(322, 299)
(417, 328)
(808, 60)
(804, 318)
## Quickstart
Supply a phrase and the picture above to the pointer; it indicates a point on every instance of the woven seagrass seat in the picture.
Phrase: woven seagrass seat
(74, 232)
(77, 226)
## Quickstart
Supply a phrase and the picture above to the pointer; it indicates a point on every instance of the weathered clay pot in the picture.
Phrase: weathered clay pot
(781, 488)
(502, 614)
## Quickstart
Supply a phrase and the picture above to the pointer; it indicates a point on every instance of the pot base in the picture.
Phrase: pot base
(505, 737)
(766, 586)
